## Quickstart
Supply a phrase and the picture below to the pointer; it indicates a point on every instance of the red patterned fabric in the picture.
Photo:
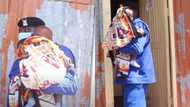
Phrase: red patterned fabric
(120, 32)
(41, 61)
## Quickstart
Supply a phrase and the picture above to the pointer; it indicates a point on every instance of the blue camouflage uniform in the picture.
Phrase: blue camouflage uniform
(68, 87)
(135, 86)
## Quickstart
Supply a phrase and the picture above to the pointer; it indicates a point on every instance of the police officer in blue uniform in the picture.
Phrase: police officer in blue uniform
(138, 80)
(27, 27)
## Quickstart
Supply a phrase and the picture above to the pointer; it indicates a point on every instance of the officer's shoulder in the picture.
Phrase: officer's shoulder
(140, 21)
(64, 48)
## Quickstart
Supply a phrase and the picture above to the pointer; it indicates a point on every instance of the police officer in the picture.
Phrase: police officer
(138, 80)
(28, 26)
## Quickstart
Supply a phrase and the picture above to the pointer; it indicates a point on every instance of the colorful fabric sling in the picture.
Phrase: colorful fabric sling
(42, 63)
(121, 32)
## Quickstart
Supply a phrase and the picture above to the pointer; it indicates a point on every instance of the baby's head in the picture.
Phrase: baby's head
(43, 31)
(132, 11)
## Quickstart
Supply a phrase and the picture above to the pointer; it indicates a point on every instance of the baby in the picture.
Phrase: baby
(121, 33)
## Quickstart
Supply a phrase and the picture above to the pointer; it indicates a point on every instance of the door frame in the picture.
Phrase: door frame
(106, 21)
(172, 53)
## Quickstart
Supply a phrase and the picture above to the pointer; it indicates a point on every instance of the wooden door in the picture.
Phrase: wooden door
(157, 19)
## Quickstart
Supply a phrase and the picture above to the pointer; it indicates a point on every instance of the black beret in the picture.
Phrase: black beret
(30, 22)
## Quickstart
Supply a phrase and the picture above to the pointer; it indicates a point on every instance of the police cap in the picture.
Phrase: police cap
(30, 22)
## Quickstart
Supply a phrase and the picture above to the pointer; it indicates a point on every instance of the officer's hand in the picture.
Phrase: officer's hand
(140, 31)
(67, 62)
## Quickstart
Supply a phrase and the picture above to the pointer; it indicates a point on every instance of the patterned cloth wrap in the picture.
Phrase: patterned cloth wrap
(42, 63)
(120, 32)
(119, 35)
(122, 62)
(14, 92)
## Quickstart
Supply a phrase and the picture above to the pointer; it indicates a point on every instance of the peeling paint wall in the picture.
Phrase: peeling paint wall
(100, 91)
(182, 37)
(73, 25)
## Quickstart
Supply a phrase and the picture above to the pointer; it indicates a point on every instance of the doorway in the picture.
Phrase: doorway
(157, 18)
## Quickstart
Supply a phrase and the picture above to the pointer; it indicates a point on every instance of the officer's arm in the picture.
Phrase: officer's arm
(68, 53)
(13, 83)
(14, 69)
(137, 45)
(69, 85)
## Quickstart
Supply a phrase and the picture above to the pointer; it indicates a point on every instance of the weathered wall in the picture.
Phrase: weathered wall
(100, 71)
(72, 22)
(182, 37)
